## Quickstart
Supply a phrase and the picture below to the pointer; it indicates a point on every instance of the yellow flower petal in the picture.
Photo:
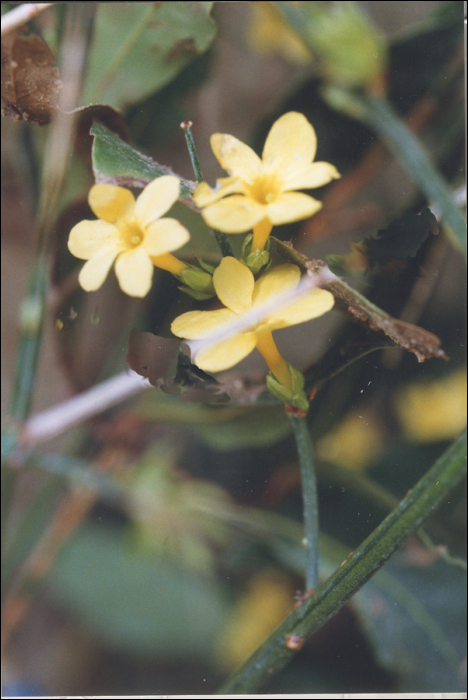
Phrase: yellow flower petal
(94, 272)
(134, 271)
(111, 203)
(204, 195)
(235, 214)
(315, 175)
(234, 284)
(311, 305)
(164, 236)
(291, 143)
(292, 206)
(276, 282)
(226, 354)
(235, 157)
(89, 238)
(156, 199)
(201, 324)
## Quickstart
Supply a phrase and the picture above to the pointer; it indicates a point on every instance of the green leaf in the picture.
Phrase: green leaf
(138, 603)
(415, 617)
(117, 163)
(139, 47)
(256, 428)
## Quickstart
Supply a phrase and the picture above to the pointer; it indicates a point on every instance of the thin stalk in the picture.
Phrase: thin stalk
(305, 453)
(355, 571)
(77, 36)
(224, 245)
(31, 324)
(221, 238)
(192, 149)
(409, 151)
(56, 161)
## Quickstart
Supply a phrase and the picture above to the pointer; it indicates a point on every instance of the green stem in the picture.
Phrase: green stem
(31, 323)
(221, 238)
(309, 494)
(224, 245)
(356, 570)
(192, 149)
(408, 149)
(29, 530)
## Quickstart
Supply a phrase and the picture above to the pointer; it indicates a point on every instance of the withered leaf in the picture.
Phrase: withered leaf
(164, 362)
(151, 356)
(403, 238)
(30, 82)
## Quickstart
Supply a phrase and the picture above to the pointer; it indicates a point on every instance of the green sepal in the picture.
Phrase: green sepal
(256, 260)
(198, 280)
(200, 296)
(294, 396)
(206, 266)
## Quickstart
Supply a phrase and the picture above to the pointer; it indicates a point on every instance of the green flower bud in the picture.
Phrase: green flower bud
(350, 49)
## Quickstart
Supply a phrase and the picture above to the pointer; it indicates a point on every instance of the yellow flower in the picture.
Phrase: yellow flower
(259, 193)
(237, 289)
(354, 443)
(432, 411)
(269, 33)
(131, 233)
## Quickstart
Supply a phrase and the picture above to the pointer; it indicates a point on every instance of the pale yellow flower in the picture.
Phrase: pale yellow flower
(237, 289)
(131, 233)
(354, 443)
(433, 411)
(260, 193)
(269, 33)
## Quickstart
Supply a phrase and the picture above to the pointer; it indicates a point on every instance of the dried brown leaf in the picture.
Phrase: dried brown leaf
(152, 356)
(30, 82)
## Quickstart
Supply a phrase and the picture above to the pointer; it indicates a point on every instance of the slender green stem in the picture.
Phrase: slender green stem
(305, 453)
(356, 570)
(221, 238)
(31, 322)
(408, 149)
(192, 149)
(224, 245)
(29, 530)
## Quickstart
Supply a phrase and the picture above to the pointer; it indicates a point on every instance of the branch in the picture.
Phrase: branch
(20, 15)
(407, 336)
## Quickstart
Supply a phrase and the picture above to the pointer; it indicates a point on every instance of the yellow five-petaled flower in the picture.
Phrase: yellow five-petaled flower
(237, 289)
(260, 193)
(130, 232)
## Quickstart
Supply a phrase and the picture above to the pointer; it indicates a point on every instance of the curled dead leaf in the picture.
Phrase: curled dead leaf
(30, 82)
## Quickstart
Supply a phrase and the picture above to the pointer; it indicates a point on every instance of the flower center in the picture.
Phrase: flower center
(130, 233)
(265, 189)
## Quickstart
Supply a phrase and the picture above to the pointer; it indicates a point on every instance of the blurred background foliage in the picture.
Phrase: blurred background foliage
(162, 540)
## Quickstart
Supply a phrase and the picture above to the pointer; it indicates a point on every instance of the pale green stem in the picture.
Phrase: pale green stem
(221, 238)
(305, 453)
